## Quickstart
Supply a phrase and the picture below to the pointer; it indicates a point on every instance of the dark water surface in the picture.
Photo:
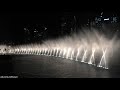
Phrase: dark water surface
(51, 67)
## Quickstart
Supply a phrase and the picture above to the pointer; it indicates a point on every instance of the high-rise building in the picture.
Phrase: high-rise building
(104, 19)
(108, 24)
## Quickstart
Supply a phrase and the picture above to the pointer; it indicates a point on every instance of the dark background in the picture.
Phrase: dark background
(12, 23)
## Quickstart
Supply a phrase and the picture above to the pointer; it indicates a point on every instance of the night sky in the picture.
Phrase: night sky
(12, 23)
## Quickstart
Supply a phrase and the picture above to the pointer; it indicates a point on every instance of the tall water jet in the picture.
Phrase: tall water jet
(92, 58)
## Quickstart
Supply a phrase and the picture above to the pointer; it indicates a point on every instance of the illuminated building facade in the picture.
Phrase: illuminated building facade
(102, 20)
(106, 20)
(107, 24)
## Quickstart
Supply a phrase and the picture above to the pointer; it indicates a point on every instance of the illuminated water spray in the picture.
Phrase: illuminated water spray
(84, 56)
(60, 54)
(50, 52)
(57, 50)
(92, 58)
(90, 47)
(68, 53)
(103, 60)
(78, 51)
(72, 55)
(64, 52)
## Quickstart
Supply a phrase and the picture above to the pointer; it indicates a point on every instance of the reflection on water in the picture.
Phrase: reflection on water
(51, 67)
(42, 66)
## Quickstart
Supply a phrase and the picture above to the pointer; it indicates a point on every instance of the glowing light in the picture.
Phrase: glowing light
(106, 19)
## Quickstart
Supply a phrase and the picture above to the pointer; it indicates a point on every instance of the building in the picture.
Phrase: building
(108, 24)
(102, 20)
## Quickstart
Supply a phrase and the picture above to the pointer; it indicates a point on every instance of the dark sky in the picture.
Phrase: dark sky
(12, 22)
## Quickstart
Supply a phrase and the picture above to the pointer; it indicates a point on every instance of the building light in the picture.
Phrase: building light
(106, 19)
(114, 19)
(25, 29)
(45, 28)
